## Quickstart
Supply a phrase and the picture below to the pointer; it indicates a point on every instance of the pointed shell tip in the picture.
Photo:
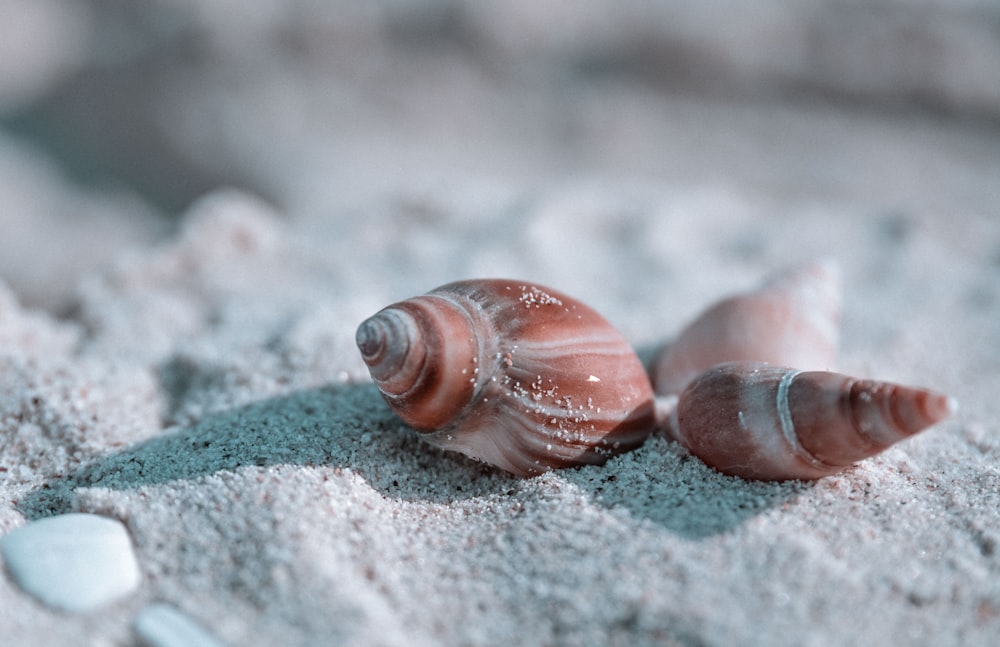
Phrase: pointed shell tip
(940, 407)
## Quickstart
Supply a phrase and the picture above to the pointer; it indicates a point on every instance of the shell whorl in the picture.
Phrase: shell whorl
(423, 355)
(516, 375)
(773, 423)
(792, 319)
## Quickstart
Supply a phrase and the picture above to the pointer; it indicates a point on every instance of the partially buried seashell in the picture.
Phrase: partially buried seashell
(513, 374)
(792, 319)
(773, 423)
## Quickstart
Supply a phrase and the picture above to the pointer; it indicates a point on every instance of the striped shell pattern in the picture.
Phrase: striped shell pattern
(517, 375)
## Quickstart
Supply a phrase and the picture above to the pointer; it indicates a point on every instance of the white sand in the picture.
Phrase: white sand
(206, 390)
(215, 404)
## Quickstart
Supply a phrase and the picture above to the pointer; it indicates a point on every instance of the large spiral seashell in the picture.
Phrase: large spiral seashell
(766, 422)
(516, 375)
(793, 319)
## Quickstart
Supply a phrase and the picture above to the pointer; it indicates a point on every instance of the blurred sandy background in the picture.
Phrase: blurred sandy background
(115, 115)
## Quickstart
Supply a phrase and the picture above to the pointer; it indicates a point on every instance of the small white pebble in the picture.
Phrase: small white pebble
(74, 562)
(161, 625)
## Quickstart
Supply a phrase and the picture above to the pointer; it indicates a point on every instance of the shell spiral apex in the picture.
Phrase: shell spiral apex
(759, 421)
(510, 373)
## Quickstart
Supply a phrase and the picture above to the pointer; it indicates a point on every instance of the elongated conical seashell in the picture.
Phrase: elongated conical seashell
(513, 374)
(793, 319)
(772, 423)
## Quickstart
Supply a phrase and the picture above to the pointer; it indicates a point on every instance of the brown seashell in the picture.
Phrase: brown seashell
(767, 422)
(516, 375)
(793, 319)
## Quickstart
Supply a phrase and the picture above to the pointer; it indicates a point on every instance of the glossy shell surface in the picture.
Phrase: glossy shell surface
(510, 373)
(793, 319)
(773, 423)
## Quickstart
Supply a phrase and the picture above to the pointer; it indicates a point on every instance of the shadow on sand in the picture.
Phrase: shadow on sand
(349, 426)
(664, 485)
(345, 426)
